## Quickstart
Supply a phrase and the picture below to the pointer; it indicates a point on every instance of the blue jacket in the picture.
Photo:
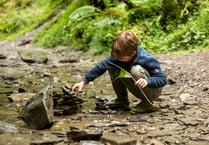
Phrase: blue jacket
(144, 58)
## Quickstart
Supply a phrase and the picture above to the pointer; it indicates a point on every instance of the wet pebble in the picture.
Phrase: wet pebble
(8, 77)
(6, 127)
(189, 121)
(90, 143)
(138, 119)
(2, 56)
(187, 99)
(114, 139)
(77, 135)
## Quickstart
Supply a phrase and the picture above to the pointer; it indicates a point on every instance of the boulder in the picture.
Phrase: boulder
(35, 55)
(38, 112)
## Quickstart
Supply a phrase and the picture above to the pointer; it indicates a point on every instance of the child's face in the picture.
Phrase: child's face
(128, 57)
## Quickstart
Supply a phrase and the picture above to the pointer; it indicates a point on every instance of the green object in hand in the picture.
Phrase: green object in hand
(124, 74)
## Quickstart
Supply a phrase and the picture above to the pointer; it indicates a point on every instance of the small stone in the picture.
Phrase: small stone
(138, 119)
(118, 139)
(6, 127)
(8, 77)
(189, 121)
(187, 99)
(71, 58)
(77, 135)
(156, 142)
(2, 56)
(86, 142)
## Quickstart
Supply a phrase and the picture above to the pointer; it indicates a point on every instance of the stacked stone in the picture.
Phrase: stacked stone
(69, 103)
(101, 103)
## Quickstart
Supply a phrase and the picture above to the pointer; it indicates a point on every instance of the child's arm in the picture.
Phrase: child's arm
(92, 74)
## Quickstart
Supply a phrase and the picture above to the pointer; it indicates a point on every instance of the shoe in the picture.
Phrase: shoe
(118, 104)
(144, 108)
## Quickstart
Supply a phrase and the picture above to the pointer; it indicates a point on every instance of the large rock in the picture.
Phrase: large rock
(38, 112)
(33, 55)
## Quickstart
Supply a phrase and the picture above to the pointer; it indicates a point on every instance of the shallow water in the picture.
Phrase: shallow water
(166, 126)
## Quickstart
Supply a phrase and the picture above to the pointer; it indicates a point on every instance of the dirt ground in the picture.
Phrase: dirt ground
(184, 104)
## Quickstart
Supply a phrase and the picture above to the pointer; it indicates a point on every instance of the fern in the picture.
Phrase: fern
(97, 44)
(82, 13)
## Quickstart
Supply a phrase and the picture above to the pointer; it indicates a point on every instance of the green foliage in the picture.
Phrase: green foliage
(84, 27)
(144, 11)
(105, 32)
(12, 25)
(57, 32)
(21, 16)
(2, 2)
(82, 13)
(91, 25)
(23, 3)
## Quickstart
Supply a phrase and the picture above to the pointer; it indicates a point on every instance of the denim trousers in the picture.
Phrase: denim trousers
(122, 84)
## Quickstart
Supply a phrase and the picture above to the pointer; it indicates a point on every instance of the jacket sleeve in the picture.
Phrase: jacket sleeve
(98, 70)
(148, 61)
(157, 79)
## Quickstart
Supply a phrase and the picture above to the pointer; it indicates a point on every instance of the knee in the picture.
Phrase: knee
(139, 72)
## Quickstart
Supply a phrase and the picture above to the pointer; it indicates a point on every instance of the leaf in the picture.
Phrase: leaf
(124, 74)
(83, 12)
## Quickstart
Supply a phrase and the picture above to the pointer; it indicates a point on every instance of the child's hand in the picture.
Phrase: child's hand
(141, 83)
(78, 86)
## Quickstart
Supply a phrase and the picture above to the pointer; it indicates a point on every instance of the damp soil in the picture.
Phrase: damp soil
(184, 103)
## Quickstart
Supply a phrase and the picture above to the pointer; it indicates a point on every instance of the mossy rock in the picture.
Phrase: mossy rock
(31, 55)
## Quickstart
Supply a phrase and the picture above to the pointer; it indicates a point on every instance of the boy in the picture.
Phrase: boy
(147, 77)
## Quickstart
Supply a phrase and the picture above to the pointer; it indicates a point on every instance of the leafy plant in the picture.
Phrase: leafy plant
(2, 2)
(57, 32)
(22, 16)
(166, 25)
(82, 13)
